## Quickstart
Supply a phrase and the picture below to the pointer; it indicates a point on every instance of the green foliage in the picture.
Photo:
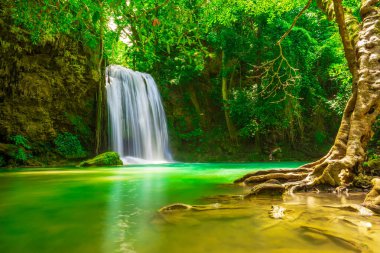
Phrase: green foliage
(192, 135)
(21, 154)
(181, 42)
(340, 74)
(250, 129)
(20, 140)
(69, 146)
(254, 116)
(47, 19)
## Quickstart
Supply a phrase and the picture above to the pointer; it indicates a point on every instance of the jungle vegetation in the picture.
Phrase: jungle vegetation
(237, 83)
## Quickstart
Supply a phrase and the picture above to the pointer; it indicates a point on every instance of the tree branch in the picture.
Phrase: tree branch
(349, 50)
(294, 22)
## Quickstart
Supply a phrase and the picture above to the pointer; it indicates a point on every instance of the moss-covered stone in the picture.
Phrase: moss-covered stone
(362, 181)
(105, 159)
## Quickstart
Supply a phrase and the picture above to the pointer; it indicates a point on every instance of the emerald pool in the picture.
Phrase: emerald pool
(114, 209)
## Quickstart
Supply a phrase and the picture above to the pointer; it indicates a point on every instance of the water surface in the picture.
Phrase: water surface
(115, 210)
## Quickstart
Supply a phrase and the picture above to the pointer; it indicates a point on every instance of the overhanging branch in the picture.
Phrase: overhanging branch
(294, 22)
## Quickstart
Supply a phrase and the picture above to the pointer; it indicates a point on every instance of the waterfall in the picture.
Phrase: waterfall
(136, 117)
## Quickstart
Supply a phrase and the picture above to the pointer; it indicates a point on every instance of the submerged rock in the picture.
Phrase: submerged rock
(105, 159)
(267, 189)
(184, 207)
(175, 207)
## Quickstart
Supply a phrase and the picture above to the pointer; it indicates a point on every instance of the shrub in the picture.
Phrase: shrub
(20, 140)
(20, 154)
(69, 146)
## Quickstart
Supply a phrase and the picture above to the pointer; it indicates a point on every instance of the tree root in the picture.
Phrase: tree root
(275, 182)
(268, 172)
(281, 177)
(372, 200)
(266, 189)
(327, 172)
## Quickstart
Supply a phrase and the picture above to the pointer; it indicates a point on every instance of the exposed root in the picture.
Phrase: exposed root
(372, 200)
(328, 172)
(266, 189)
(266, 172)
(275, 182)
(281, 177)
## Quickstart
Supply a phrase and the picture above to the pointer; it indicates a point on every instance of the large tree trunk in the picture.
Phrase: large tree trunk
(348, 151)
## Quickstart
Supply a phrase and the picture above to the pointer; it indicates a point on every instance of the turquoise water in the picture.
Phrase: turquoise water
(115, 210)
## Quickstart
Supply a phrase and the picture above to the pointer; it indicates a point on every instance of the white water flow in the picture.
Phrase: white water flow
(136, 117)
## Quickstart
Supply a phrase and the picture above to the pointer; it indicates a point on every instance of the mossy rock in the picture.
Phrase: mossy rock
(105, 159)
(266, 189)
(362, 181)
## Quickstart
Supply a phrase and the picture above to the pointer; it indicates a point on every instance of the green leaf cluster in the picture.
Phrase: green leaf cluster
(69, 146)
(21, 154)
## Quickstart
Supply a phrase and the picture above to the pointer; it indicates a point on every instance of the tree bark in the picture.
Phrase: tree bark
(348, 47)
(348, 151)
(343, 160)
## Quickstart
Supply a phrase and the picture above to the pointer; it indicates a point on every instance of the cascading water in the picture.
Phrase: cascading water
(137, 121)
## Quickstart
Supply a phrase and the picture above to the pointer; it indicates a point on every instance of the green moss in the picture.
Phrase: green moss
(105, 159)
(373, 164)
